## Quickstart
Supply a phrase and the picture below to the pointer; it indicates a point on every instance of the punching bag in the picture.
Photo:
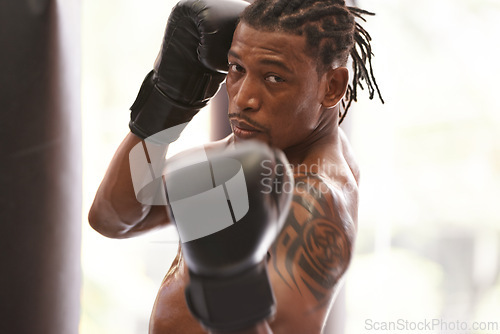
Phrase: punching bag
(40, 166)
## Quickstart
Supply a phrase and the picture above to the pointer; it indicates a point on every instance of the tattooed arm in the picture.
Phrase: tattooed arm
(311, 255)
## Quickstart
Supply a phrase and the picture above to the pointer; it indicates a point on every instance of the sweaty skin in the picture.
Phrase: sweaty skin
(277, 96)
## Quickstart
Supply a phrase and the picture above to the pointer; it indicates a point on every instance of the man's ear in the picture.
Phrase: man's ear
(336, 86)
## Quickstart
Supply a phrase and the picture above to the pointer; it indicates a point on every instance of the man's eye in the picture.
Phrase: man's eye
(274, 79)
(236, 68)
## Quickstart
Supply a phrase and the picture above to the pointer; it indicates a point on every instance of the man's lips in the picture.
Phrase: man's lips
(243, 126)
(243, 130)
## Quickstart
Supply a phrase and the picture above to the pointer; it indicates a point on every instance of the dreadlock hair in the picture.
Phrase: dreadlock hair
(332, 35)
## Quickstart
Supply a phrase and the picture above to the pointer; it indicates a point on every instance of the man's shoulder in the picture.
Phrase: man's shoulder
(326, 198)
(314, 248)
(348, 154)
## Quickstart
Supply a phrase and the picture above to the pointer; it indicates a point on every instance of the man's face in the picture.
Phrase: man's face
(273, 87)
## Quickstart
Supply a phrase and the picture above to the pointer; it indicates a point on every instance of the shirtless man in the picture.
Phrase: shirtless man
(288, 87)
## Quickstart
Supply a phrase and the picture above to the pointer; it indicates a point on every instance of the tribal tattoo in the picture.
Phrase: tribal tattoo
(314, 248)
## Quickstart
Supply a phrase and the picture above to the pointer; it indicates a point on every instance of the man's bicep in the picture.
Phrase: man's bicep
(313, 251)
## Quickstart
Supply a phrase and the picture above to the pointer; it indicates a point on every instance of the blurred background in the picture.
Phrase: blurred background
(429, 229)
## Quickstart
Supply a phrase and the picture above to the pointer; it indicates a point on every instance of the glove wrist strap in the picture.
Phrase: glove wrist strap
(153, 111)
(232, 303)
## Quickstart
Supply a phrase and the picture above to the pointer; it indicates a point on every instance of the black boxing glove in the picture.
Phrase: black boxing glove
(228, 207)
(190, 67)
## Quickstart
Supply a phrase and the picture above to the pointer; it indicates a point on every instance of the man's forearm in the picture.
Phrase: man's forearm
(115, 212)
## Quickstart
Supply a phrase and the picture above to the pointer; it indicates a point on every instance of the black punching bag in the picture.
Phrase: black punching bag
(40, 166)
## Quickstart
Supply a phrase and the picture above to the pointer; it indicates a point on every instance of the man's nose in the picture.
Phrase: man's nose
(247, 97)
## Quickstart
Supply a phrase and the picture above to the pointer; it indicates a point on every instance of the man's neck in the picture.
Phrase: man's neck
(325, 135)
